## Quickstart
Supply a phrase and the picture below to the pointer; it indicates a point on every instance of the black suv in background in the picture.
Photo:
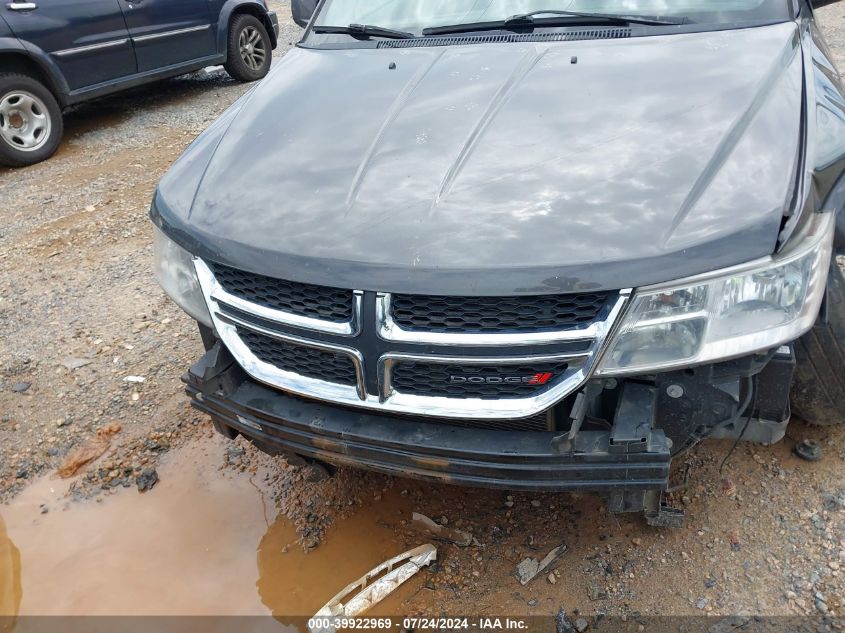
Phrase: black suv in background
(55, 53)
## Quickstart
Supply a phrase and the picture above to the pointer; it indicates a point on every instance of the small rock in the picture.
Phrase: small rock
(552, 578)
(834, 565)
(532, 602)
(581, 625)
(21, 387)
(44, 509)
(460, 538)
(235, 450)
(821, 606)
(146, 480)
(562, 623)
(535, 503)
(597, 593)
(637, 542)
(710, 583)
(426, 522)
(809, 450)
(790, 595)
(702, 603)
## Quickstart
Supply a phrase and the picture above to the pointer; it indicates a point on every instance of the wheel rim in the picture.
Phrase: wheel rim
(24, 121)
(251, 44)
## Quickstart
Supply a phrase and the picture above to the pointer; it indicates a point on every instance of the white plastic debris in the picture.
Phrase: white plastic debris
(373, 587)
(134, 379)
(72, 364)
(530, 568)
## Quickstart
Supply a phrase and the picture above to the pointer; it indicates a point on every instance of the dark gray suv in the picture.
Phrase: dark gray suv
(520, 244)
(55, 53)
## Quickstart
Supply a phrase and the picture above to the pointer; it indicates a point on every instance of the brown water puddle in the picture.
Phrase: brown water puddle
(352, 548)
(197, 544)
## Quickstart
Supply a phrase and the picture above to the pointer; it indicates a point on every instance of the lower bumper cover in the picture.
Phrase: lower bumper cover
(426, 450)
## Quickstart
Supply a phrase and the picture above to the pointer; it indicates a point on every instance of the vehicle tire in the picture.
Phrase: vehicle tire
(249, 49)
(31, 125)
(818, 388)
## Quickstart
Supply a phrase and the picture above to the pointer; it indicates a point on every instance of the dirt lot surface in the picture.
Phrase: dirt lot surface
(90, 358)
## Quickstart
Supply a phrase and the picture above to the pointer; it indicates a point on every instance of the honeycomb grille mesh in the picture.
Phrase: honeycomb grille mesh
(496, 314)
(486, 382)
(305, 361)
(316, 302)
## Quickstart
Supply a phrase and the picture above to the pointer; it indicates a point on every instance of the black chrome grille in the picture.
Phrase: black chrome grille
(472, 381)
(317, 302)
(306, 361)
(469, 315)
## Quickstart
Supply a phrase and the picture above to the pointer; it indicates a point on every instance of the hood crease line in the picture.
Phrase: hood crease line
(395, 108)
(732, 136)
(528, 63)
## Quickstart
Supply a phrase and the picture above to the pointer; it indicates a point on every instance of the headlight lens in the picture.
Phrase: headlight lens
(175, 273)
(727, 313)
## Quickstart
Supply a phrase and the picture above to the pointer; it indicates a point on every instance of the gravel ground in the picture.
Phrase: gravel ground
(79, 311)
(87, 342)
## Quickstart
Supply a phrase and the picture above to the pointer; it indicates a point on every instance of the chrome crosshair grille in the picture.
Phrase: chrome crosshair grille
(460, 359)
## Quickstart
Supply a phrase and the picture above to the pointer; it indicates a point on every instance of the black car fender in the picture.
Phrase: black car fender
(229, 8)
(819, 185)
(23, 57)
(827, 112)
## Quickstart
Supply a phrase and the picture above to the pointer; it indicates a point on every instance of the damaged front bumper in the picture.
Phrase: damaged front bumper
(596, 462)
(646, 421)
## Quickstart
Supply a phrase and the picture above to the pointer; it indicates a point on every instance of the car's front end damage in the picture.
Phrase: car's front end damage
(462, 289)
(606, 415)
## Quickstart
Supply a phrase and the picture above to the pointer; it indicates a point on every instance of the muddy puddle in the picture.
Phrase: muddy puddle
(203, 542)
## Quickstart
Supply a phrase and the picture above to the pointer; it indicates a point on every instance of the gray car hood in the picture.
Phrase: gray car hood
(501, 168)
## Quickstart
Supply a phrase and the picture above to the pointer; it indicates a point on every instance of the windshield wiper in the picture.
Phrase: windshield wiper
(559, 18)
(364, 30)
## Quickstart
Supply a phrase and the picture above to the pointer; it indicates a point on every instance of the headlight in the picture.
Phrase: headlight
(727, 313)
(175, 273)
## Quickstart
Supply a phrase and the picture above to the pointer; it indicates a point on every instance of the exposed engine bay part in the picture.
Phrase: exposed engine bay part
(373, 587)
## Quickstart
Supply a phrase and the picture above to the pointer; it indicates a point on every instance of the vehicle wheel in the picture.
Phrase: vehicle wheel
(818, 389)
(250, 49)
(31, 124)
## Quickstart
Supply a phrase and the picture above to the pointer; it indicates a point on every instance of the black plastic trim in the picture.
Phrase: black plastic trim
(397, 446)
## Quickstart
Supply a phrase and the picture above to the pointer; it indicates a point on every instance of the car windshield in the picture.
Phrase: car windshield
(415, 15)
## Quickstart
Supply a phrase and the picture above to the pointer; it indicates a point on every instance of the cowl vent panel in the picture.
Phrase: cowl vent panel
(462, 40)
